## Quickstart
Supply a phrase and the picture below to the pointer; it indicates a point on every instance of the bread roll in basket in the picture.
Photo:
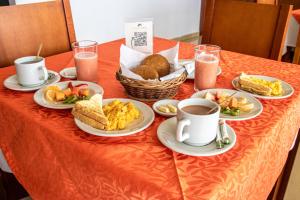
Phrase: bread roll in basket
(153, 66)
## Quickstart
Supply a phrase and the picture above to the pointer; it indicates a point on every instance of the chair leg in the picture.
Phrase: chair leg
(13, 189)
(296, 55)
(2, 190)
(297, 50)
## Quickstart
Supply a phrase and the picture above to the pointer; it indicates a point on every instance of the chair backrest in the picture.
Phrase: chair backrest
(250, 28)
(24, 27)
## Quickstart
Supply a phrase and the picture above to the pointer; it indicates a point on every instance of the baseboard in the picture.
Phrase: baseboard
(188, 38)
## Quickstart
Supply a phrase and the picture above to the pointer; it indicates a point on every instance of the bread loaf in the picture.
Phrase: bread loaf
(159, 63)
(146, 72)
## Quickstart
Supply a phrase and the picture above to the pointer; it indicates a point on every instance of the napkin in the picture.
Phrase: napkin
(130, 58)
(189, 65)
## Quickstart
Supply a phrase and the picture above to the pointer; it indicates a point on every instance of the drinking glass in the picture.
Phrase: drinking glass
(206, 65)
(86, 60)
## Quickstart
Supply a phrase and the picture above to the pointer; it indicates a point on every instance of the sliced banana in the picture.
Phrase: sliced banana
(163, 109)
(172, 108)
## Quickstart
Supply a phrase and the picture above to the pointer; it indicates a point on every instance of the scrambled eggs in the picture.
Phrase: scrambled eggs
(120, 114)
(274, 85)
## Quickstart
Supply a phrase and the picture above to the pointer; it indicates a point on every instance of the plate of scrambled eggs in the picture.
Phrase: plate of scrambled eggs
(263, 87)
(120, 117)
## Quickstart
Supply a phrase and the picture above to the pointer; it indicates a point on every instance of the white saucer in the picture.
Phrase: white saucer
(12, 82)
(166, 133)
(165, 102)
(69, 72)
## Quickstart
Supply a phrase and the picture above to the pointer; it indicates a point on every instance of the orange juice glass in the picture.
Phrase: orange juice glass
(86, 60)
(206, 65)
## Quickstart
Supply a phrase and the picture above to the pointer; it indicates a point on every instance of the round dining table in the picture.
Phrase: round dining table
(53, 159)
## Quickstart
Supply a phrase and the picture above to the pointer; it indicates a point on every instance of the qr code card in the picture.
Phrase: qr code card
(139, 36)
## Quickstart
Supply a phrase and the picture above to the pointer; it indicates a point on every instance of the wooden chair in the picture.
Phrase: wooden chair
(249, 28)
(295, 3)
(24, 27)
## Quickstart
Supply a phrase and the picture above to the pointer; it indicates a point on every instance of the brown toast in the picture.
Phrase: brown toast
(250, 86)
(87, 120)
(89, 109)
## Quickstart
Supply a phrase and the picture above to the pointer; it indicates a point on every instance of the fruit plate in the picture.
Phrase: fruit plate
(39, 96)
(287, 88)
(258, 108)
(144, 121)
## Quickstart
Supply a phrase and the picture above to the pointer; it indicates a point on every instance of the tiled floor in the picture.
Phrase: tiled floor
(26, 198)
(293, 188)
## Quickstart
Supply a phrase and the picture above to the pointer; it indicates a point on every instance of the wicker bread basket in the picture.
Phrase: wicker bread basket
(148, 90)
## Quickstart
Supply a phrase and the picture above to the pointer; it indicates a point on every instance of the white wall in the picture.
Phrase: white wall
(103, 20)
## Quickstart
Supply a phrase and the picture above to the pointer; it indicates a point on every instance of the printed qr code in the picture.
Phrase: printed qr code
(140, 39)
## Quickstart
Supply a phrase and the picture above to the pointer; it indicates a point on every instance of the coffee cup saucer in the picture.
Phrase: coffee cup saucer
(12, 83)
(166, 133)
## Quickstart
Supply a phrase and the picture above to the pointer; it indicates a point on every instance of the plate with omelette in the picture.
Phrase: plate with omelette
(263, 87)
(112, 117)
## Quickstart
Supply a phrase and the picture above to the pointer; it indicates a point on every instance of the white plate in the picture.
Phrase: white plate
(39, 96)
(191, 64)
(258, 108)
(69, 72)
(166, 133)
(165, 102)
(12, 82)
(146, 119)
(287, 88)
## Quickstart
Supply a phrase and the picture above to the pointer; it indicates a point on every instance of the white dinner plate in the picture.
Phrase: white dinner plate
(39, 96)
(12, 82)
(145, 120)
(258, 108)
(190, 63)
(166, 133)
(69, 72)
(287, 88)
(165, 102)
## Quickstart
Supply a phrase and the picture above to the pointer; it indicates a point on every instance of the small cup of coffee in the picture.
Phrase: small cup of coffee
(196, 123)
(31, 71)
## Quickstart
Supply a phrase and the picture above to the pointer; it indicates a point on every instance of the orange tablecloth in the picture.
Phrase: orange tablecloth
(53, 159)
(296, 15)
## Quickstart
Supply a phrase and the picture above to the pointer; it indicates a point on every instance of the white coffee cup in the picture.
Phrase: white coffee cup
(31, 71)
(197, 130)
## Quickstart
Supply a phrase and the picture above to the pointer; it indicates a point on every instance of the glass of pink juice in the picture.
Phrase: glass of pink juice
(86, 60)
(206, 65)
